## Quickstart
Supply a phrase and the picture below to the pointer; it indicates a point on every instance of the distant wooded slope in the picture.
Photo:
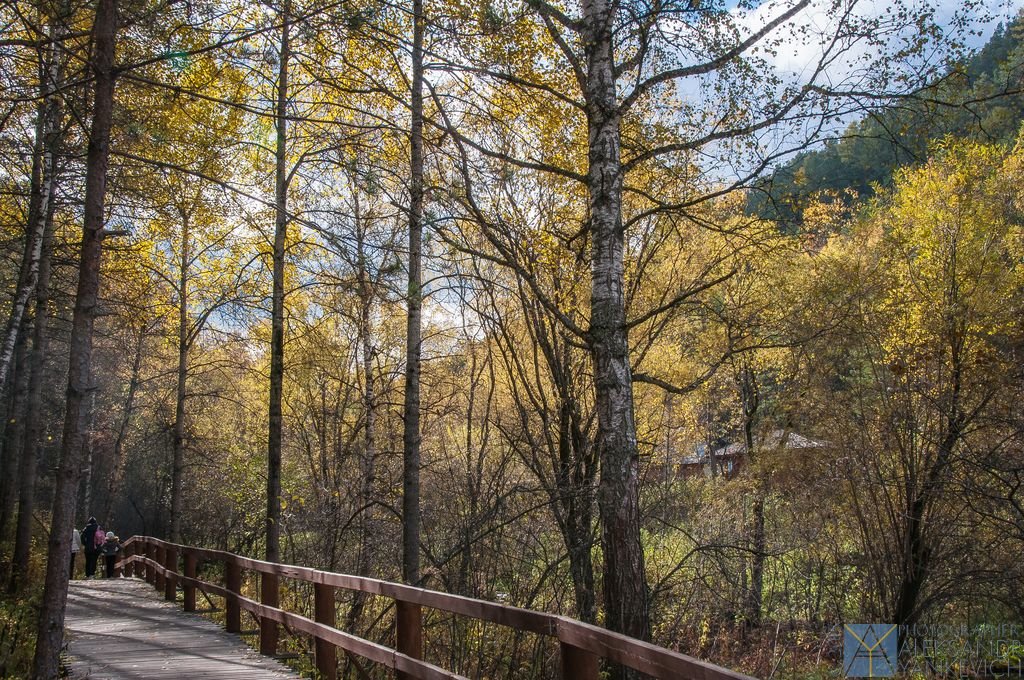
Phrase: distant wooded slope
(982, 100)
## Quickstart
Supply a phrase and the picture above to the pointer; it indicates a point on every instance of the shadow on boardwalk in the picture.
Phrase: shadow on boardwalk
(120, 628)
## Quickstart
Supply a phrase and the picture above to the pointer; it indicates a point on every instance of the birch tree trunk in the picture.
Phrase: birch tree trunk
(55, 591)
(29, 273)
(411, 410)
(625, 585)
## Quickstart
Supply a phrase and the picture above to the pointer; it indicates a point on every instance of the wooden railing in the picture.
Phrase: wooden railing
(581, 645)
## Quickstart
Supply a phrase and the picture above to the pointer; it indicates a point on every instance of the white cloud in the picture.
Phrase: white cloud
(808, 32)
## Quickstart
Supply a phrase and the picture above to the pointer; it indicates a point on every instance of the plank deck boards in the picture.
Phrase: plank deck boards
(120, 628)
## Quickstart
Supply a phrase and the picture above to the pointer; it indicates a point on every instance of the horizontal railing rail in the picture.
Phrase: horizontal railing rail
(582, 645)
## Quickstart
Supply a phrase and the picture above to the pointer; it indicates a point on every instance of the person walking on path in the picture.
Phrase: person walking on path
(89, 546)
(111, 546)
(76, 545)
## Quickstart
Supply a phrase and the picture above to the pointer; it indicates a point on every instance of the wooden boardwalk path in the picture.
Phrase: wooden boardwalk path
(120, 628)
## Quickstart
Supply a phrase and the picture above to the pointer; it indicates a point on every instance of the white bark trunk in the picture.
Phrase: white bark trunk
(625, 585)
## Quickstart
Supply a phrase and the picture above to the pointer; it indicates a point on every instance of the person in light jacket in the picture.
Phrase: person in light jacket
(76, 546)
(110, 548)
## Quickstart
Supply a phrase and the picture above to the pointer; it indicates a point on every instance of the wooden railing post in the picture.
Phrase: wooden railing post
(409, 633)
(268, 627)
(150, 571)
(326, 654)
(233, 583)
(129, 567)
(171, 582)
(578, 664)
(159, 558)
(188, 587)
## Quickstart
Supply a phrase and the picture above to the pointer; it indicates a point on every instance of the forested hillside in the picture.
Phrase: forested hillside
(980, 99)
(488, 298)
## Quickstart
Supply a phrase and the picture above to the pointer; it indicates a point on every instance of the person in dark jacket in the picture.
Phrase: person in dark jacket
(89, 546)
(110, 548)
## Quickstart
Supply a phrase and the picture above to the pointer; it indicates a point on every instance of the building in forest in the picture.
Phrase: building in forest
(728, 460)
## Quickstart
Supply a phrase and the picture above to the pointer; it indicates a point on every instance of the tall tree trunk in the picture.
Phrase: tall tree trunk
(8, 461)
(625, 583)
(917, 546)
(757, 558)
(14, 434)
(581, 566)
(39, 198)
(411, 409)
(574, 482)
(41, 191)
(750, 399)
(178, 458)
(367, 524)
(55, 591)
(90, 462)
(369, 397)
(34, 421)
(50, 132)
(916, 558)
(462, 584)
(269, 590)
(117, 454)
